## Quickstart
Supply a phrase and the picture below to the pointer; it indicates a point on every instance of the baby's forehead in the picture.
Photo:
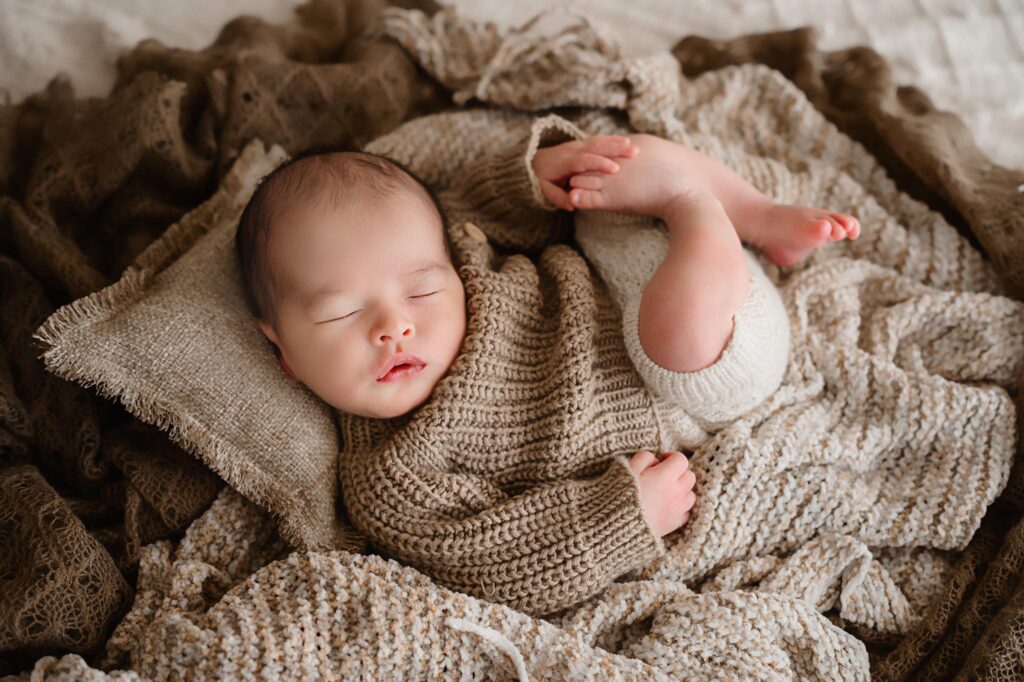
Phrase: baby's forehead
(345, 224)
(329, 183)
(343, 215)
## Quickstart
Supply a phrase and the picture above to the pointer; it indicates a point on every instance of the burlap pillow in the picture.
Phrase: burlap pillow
(174, 342)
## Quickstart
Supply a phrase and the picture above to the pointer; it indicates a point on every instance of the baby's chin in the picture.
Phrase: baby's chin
(390, 402)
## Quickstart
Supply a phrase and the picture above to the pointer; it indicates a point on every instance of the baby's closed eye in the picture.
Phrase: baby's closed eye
(424, 294)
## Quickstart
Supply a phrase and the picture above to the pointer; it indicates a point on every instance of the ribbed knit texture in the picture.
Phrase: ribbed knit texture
(545, 392)
(507, 484)
(834, 508)
(831, 462)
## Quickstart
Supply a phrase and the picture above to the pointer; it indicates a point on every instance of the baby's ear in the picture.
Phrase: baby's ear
(285, 367)
(268, 331)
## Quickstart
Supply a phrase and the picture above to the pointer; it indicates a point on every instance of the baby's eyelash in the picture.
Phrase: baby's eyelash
(335, 319)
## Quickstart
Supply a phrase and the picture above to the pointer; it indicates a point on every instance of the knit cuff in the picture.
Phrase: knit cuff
(646, 544)
(749, 369)
(608, 538)
(511, 173)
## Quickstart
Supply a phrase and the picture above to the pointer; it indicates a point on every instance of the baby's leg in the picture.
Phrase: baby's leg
(785, 233)
(686, 312)
(625, 251)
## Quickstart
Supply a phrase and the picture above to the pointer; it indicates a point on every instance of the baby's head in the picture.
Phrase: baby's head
(346, 264)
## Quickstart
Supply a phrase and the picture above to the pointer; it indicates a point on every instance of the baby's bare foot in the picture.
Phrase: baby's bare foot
(789, 233)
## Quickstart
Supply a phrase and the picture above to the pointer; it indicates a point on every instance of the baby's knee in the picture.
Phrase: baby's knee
(747, 369)
(690, 344)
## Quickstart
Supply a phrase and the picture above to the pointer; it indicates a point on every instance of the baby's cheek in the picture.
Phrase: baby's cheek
(335, 367)
(449, 327)
(347, 365)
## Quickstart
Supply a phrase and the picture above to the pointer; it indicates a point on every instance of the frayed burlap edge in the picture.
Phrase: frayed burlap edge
(58, 335)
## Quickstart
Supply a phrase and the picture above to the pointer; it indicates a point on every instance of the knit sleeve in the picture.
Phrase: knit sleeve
(539, 551)
(626, 250)
(501, 194)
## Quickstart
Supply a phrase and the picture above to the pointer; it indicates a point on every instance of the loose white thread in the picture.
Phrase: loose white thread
(500, 641)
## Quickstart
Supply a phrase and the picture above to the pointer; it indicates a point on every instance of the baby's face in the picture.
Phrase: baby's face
(357, 286)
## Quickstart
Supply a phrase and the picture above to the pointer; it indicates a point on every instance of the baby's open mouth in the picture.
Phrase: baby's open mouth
(401, 371)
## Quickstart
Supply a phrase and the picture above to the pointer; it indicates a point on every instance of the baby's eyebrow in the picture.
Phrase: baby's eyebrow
(418, 270)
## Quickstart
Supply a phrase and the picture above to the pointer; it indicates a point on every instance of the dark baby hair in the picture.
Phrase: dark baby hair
(324, 176)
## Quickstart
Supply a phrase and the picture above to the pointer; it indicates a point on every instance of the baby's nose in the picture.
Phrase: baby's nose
(404, 329)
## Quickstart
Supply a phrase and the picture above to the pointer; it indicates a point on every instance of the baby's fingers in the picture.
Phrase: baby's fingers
(642, 460)
(583, 163)
(590, 199)
(611, 145)
(587, 181)
(688, 480)
(556, 195)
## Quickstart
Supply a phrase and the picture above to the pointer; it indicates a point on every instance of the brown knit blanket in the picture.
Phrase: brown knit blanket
(86, 491)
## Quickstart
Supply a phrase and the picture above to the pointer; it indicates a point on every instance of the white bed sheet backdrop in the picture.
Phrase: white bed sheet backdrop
(968, 55)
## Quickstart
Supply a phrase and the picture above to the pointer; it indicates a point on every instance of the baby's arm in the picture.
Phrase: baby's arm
(538, 551)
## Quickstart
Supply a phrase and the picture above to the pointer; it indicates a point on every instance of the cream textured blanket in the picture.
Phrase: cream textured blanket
(846, 494)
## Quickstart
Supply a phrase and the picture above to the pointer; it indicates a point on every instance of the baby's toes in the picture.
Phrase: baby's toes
(821, 229)
(837, 229)
(851, 227)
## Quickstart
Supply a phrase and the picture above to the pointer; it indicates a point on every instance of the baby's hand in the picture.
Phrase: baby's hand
(554, 165)
(648, 185)
(666, 489)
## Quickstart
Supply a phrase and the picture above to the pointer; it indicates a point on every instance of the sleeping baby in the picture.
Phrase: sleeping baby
(348, 264)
